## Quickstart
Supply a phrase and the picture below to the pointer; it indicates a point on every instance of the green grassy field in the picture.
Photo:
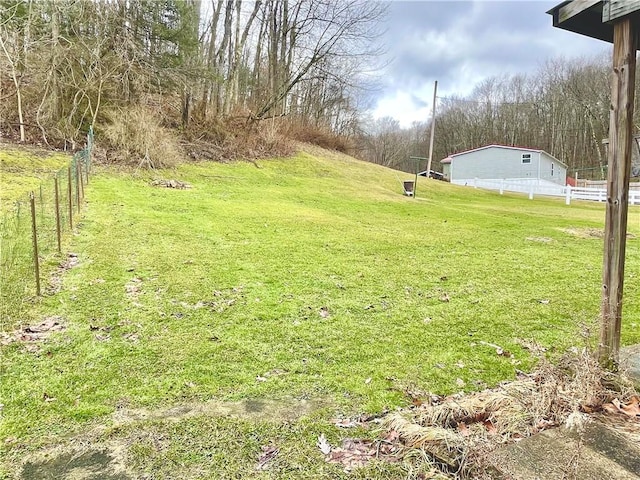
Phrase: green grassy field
(23, 170)
(309, 286)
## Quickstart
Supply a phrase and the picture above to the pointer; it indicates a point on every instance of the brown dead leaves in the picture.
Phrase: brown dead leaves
(462, 429)
(55, 281)
(355, 452)
(177, 184)
(32, 334)
(631, 408)
(269, 452)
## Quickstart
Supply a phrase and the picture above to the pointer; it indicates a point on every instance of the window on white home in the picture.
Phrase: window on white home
(526, 158)
(552, 169)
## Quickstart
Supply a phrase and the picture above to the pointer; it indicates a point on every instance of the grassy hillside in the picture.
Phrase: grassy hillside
(307, 281)
(23, 170)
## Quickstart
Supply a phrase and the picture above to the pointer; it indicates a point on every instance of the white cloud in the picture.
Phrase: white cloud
(401, 106)
(462, 43)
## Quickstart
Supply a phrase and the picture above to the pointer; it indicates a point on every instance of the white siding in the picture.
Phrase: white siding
(446, 170)
(551, 170)
(505, 163)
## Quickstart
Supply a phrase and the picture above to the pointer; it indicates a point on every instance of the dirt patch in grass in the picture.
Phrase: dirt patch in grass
(539, 239)
(584, 232)
(588, 232)
(74, 464)
(177, 184)
(86, 457)
(285, 410)
(33, 335)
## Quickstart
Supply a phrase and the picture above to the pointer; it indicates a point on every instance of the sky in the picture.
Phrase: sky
(461, 42)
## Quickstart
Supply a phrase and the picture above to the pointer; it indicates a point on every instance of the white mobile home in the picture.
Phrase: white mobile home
(496, 163)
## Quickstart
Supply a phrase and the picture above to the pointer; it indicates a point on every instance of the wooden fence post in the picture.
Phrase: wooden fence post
(567, 198)
(34, 233)
(619, 171)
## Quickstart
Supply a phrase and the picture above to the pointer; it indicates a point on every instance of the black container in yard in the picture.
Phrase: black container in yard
(408, 187)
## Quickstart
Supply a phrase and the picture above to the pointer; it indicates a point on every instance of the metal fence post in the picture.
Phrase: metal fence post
(57, 192)
(87, 161)
(81, 180)
(34, 232)
(90, 151)
(69, 197)
(77, 187)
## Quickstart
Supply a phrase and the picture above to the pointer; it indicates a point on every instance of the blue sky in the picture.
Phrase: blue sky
(460, 43)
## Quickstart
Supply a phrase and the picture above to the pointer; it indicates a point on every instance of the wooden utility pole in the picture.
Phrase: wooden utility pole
(625, 44)
(433, 127)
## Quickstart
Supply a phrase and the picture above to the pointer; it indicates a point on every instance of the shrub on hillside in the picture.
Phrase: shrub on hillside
(319, 136)
(234, 138)
(137, 137)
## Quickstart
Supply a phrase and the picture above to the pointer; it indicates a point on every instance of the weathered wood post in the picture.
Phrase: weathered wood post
(625, 44)
(615, 21)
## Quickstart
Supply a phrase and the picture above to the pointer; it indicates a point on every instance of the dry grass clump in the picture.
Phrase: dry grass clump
(318, 136)
(588, 232)
(136, 136)
(234, 139)
(458, 431)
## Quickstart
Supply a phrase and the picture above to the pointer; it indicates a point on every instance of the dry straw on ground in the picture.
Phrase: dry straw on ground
(459, 431)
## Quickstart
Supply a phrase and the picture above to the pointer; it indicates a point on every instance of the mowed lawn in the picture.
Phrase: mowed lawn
(307, 279)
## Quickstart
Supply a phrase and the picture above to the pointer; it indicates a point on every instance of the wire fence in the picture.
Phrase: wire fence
(32, 232)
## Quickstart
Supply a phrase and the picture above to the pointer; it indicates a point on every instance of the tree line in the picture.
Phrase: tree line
(74, 63)
(187, 65)
(562, 108)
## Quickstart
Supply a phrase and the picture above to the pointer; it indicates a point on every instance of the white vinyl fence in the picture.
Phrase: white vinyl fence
(548, 189)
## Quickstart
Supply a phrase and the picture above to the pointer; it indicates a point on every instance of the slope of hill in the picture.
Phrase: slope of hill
(22, 170)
